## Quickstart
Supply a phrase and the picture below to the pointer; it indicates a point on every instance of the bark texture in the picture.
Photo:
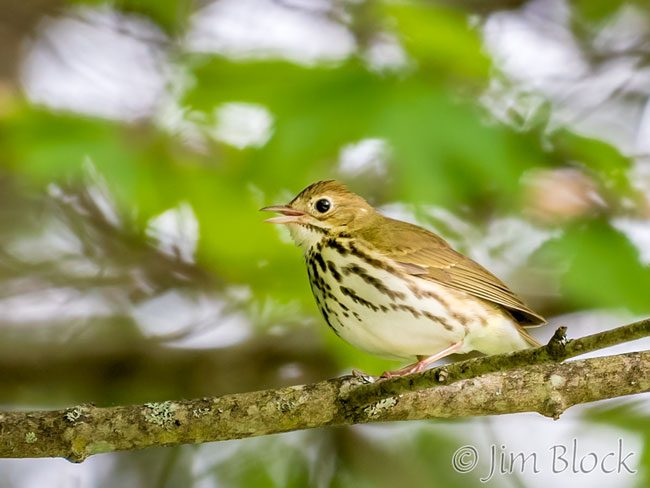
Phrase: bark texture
(529, 381)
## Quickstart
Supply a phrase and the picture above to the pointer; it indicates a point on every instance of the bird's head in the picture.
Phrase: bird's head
(323, 208)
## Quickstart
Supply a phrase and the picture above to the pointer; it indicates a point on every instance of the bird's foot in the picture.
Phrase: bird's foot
(423, 362)
(410, 369)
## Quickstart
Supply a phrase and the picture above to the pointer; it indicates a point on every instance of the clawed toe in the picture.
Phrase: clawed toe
(414, 368)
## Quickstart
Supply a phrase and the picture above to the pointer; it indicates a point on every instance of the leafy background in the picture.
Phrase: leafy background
(138, 139)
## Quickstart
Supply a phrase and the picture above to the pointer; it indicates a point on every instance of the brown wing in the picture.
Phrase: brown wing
(421, 253)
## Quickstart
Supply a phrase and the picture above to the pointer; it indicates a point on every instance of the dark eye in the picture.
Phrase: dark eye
(323, 205)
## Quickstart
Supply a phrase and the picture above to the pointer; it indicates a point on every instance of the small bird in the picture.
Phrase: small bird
(395, 289)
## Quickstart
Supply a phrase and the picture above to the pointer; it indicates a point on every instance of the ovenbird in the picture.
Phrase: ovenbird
(395, 289)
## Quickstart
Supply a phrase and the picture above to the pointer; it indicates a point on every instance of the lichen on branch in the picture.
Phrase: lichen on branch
(527, 381)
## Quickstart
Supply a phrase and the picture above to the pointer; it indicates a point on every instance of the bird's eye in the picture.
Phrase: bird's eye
(323, 205)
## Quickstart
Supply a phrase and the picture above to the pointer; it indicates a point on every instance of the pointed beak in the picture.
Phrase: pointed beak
(289, 215)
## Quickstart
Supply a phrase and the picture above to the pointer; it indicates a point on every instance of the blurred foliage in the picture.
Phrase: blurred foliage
(440, 40)
(629, 417)
(447, 151)
(170, 15)
(604, 270)
(598, 10)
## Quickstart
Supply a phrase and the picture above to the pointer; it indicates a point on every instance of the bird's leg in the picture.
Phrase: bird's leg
(423, 362)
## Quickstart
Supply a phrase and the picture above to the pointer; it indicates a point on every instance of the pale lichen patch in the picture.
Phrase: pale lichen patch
(351, 383)
(557, 381)
(377, 408)
(30, 438)
(200, 412)
(285, 406)
(73, 414)
(161, 414)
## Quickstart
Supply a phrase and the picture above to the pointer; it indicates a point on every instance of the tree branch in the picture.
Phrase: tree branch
(539, 385)
(558, 349)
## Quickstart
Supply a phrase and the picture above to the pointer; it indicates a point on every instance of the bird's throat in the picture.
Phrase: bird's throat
(306, 236)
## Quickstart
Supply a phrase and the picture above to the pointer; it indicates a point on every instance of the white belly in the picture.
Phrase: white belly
(377, 311)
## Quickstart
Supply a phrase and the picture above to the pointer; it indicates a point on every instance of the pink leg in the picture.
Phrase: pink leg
(423, 362)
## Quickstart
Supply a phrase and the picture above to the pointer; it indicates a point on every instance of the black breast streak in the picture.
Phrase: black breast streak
(322, 285)
(321, 262)
(438, 320)
(357, 299)
(335, 273)
(418, 292)
(363, 273)
(405, 308)
(315, 228)
(460, 317)
(322, 290)
(337, 246)
(311, 268)
(377, 263)
(312, 273)
(372, 281)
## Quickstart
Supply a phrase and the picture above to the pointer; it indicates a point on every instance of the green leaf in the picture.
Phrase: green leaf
(597, 10)
(440, 39)
(604, 270)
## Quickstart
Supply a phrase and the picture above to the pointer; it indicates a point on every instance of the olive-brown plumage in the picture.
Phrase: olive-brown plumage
(396, 289)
